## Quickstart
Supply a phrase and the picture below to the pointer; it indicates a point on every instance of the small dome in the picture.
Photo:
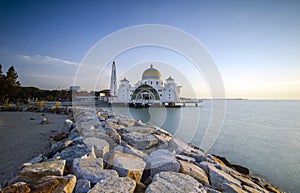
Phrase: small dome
(124, 80)
(151, 73)
(170, 79)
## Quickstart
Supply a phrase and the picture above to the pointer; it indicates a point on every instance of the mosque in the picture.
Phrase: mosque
(151, 90)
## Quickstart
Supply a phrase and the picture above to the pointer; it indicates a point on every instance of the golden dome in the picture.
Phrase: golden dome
(151, 73)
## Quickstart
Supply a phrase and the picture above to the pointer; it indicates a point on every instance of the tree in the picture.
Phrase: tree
(11, 85)
(2, 85)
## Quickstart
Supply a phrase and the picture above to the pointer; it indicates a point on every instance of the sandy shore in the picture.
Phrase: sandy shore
(22, 139)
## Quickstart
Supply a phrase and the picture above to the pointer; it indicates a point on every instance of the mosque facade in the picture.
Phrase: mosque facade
(150, 90)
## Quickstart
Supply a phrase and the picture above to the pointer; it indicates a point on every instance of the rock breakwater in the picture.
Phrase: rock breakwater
(106, 152)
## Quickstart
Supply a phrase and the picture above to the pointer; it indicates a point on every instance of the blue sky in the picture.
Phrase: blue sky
(255, 44)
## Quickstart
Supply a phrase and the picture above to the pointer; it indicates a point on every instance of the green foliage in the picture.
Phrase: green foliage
(2, 84)
(10, 86)
(11, 91)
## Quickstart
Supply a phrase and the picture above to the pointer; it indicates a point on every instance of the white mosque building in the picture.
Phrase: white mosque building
(151, 90)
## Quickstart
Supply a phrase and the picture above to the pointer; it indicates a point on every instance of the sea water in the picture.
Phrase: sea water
(263, 135)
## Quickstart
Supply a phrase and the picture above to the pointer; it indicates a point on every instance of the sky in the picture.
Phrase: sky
(254, 44)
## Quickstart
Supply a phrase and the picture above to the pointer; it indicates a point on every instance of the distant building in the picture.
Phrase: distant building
(104, 95)
(150, 90)
(75, 88)
(113, 80)
(84, 98)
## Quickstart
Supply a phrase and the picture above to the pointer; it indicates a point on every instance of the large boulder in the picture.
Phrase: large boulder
(67, 127)
(128, 165)
(218, 177)
(205, 166)
(163, 140)
(57, 147)
(185, 158)
(126, 122)
(180, 147)
(113, 134)
(92, 170)
(54, 184)
(75, 151)
(121, 184)
(169, 182)
(89, 123)
(231, 188)
(140, 141)
(162, 160)
(82, 186)
(125, 148)
(100, 146)
(194, 171)
(34, 172)
(246, 181)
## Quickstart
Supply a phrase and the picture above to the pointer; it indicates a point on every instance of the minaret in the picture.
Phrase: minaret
(113, 80)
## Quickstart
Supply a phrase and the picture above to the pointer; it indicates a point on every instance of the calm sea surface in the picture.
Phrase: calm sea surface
(261, 135)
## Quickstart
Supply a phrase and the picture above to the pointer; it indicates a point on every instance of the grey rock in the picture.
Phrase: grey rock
(185, 158)
(57, 147)
(128, 165)
(232, 188)
(76, 151)
(82, 186)
(37, 159)
(125, 148)
(162, 160)
(218, 177)
(138, 123)
(245, 181)
(112, 133)
(100, 146)
(204, 165)
(140, 141)
(121, 184)
(101, 119)
(169, 182)
(159, 131)
(72, 135)
(163, 140)
(89, 125)
(180, 147)
(111, 120)
(126, 122)
(77, 140)
(92, 170)
(210, 190)
(68, 125)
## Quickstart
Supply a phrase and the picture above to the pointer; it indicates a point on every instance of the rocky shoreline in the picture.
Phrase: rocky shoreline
(105, 152)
